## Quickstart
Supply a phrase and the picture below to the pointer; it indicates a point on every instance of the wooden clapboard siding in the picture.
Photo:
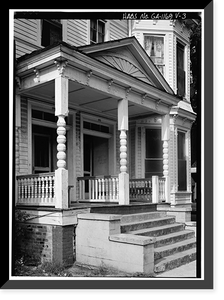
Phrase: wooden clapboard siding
(26, 35)
(23, 139)
(118, 29)
(23, 48)
(139, 153)
(27, 30)
(77, 32)
(132, 152)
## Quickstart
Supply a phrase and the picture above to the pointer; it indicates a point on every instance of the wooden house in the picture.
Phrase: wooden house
(103, 116)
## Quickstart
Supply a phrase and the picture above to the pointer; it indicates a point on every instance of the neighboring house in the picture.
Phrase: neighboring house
(103, 114)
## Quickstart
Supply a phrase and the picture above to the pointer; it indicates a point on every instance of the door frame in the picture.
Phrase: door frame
(111, 136)
(92, 153)
(45, 170)
(142, 153)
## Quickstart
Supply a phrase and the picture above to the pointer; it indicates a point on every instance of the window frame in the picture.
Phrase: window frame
(97, 31)
(154, 158)
(182, 46)
(50, 22)
(185, 188)
(158, 65)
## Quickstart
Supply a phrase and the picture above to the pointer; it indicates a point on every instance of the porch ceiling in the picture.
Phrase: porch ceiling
(86, 99)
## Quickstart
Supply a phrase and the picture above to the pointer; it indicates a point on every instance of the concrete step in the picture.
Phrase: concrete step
(160, 230)
(173, 261)
(142, 216)
(173, 237)
(153, 223)
(171, 249)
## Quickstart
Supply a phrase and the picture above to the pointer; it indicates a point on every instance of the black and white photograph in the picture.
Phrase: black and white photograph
(107, 144)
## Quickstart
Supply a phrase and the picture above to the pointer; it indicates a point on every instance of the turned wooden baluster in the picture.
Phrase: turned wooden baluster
(50, 187)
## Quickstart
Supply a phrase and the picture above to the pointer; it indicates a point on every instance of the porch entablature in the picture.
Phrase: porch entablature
(34, 71)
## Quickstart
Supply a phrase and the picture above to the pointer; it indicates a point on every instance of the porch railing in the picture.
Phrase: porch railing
(140, 189)
(105, 188)
(98, 188)
(36, 189)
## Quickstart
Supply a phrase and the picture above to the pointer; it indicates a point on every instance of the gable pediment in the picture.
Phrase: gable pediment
(123, 60)
(128, 56)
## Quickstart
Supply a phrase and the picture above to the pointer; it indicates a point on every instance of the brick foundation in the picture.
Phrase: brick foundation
(62, 244)
(48, 243)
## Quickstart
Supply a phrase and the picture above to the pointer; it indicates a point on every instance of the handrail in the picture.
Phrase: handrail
(35, 175)
(97, 177)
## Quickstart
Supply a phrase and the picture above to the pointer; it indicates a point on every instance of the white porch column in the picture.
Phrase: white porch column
(165, 139)
(61, 174)
(123, 176)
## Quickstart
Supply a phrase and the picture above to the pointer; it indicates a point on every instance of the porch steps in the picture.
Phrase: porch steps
(174, 245)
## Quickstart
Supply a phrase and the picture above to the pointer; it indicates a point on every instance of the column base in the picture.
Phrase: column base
(61, 188)
(124, 189)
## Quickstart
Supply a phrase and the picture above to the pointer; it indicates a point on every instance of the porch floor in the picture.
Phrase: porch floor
(105, 207)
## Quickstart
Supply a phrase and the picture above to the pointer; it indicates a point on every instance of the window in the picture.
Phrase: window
(44, 147)
(180, 70)
(51, 31)
(153, 153)
(96, 127)
(43, 115)
(97, 31)
(154, 47)
(182, 163)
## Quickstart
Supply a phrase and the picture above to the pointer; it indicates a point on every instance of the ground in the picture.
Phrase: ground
(76, 270)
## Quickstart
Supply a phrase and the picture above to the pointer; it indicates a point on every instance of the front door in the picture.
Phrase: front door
(96, 158)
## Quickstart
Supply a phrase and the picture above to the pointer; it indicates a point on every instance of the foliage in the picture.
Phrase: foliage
(195, 55)
(19, 231)
(22, 256)
(49, 269)
(20, 217)
(54, 268)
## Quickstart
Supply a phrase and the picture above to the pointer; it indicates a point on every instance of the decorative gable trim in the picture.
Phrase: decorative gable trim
(124, 65)
(143, 67)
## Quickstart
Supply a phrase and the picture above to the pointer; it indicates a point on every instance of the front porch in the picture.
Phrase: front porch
(96, 106)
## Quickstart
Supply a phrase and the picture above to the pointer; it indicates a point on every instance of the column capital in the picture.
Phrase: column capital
(61, 65)
(127, 91)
